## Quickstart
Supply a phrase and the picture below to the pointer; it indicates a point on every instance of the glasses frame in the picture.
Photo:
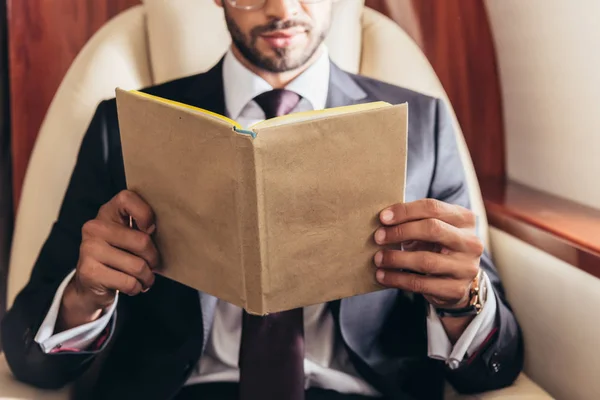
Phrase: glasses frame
(261, 3)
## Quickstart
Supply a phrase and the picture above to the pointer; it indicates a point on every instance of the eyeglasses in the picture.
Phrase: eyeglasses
(258, 4)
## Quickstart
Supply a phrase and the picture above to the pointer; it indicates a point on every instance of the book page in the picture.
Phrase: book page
(317, 114)
(189, 107)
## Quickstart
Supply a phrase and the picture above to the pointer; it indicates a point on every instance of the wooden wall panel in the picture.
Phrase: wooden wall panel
(6, 207)
(44, 38)
(458, 42)
(456, 38)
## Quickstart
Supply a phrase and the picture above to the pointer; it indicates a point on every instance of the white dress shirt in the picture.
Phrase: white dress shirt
(326, 363)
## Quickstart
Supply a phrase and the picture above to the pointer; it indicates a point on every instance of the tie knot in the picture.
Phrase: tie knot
(277, 102)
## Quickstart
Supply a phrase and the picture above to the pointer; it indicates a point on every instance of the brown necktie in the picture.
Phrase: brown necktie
(272, 347)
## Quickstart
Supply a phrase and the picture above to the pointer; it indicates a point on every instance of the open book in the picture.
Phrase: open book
(271, 217)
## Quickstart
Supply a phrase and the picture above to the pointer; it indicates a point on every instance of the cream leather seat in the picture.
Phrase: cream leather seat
(162, 40)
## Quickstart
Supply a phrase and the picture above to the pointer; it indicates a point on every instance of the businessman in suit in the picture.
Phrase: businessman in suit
(93, 295)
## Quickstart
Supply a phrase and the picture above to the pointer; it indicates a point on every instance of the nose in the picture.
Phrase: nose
(281, 9)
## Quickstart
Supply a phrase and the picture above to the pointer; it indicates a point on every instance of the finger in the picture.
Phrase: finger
(425, 262)
(446, 289)
(119, 260)
(129, 204)
(136, 242)
(93, 273)
(433, 231)
(428, 208)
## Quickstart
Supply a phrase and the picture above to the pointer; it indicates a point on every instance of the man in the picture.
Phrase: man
(93, 295)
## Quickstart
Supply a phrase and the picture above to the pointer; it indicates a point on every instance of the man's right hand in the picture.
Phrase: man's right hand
(113, 257)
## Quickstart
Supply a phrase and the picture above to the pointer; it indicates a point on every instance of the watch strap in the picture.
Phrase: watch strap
(477, 298)
(457, 312)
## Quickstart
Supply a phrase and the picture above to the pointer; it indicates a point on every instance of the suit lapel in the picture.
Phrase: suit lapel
(343, 90)
(206, 90)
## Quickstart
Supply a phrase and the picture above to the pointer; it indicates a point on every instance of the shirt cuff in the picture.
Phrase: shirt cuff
(74, 339)
(475, 335)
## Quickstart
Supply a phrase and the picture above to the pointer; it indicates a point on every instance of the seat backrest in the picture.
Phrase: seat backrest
(164, 39)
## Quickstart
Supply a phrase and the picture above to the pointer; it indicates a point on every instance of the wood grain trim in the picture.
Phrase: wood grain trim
(560, 227)
(6, 207)
(44, 37)
(458, 42)
(456, 38)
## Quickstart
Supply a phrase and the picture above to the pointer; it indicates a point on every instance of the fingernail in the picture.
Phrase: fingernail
(380, 275)
(387, 216)
(145, 290)
(380, 235)
(378, 258)
(151, 229)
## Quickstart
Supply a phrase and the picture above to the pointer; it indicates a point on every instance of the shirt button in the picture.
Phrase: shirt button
(495, 364)
(188, 367)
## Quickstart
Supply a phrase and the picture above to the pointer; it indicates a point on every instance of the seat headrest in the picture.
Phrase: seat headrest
(186, 37)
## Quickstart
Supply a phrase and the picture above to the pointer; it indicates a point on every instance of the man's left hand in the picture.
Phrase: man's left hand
(443, 256)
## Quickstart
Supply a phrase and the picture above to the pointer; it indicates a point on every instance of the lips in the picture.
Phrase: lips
(283, 38)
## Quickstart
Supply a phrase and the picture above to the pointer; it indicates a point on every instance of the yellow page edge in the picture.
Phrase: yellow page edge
(297, 115)
(237, 126)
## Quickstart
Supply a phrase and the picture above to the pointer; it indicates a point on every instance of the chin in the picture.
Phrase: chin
(280, 59)
(281, 62)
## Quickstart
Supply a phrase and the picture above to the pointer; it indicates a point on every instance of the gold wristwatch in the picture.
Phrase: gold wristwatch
(477, 298)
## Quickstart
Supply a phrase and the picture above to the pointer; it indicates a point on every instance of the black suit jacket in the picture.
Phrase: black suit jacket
(160, 335)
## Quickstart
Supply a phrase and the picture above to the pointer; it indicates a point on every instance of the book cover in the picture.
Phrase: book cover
(270, 217)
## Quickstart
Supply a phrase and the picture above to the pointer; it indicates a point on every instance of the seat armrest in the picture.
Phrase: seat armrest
(10, 388)
(523, 389)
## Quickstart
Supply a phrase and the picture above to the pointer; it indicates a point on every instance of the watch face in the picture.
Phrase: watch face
(483, 290)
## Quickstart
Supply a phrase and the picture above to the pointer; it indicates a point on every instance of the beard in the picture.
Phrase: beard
(284, 59)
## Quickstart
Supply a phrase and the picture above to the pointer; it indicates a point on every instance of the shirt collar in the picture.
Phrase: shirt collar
(242, 85)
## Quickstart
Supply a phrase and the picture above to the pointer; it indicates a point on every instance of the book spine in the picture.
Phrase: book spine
(249, 225)
(245, 132)
(262, 267)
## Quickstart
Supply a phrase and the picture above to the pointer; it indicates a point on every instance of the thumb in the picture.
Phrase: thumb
(129, 209)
